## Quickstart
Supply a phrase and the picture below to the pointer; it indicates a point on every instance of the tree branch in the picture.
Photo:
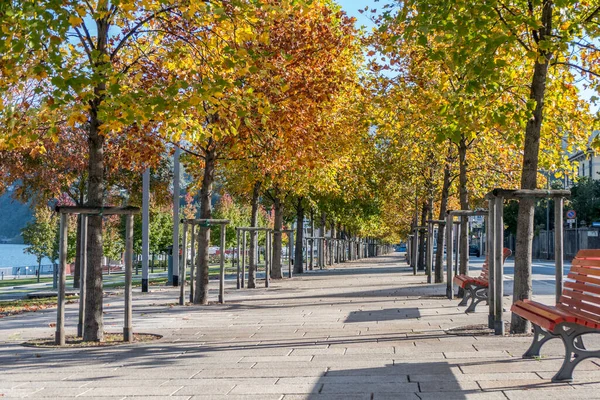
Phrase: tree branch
(578, 67)
(134, 30)
(88, 51)
(521, 42)
(592, 15)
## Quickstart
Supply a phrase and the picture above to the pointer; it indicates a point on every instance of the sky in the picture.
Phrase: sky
(352, 6)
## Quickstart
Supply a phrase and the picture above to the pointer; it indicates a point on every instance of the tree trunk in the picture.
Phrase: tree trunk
(201, 295)
(253, 237)
(439, 254)
(334, 243)
(464, 205)
(422, 234)
(298, 262)
(39, 270)
(93, 321)
(523, 285)
(277, 227)
(463, 240)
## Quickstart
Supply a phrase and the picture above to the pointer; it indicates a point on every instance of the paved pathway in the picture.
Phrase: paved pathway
(365, 330)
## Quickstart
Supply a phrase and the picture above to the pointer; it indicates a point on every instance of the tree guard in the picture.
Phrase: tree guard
(241, 267)
(203, 223)
(416, 253)
(450, 214)
(290, 233)
(429, 258)
(496, 199)
(320, 240)
(85, 211)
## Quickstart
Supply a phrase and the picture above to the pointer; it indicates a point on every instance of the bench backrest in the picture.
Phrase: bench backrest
(581, 291)
(486, 268)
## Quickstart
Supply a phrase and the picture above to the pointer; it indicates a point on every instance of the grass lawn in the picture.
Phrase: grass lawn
(27, 305)
(25, 281)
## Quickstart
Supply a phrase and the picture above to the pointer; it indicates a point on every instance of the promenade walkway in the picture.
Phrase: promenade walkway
(364, 330)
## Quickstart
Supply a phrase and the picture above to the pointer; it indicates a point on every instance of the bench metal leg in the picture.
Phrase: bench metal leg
(575, 351)
(579, 343)
(467, 293)
(479, 295)
(540, 337)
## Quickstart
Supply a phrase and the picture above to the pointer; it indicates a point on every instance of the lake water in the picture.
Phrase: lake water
(12, 255)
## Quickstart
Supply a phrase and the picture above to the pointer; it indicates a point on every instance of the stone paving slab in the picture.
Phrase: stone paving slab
(366, 330)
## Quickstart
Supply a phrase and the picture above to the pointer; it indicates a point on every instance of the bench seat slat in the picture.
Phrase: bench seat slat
(580, 303)
(584, 270)
(586, 262)
(588, 288)
(481, 281)
(582, 318)
(553, 313)
(582, 278)
(588, 253)
(532, 316)
(462, 280)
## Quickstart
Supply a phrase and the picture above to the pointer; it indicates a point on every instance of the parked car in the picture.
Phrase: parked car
(474, 250)
(401, 247)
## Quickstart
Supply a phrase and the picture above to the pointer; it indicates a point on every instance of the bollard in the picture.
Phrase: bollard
(182, 266)
(236, 257)
(268, 258)
(449, 249)
(244, 257)
(558, 246)
(127, 327)
(82, 275)
(222, 270)
(499, 270)
(59, 339)
(491, 229)
(192, 263)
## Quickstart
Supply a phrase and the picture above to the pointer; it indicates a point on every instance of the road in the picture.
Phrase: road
(543, 274)
(543, 279)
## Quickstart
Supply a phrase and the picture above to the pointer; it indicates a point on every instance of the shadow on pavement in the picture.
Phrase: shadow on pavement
(390, 314)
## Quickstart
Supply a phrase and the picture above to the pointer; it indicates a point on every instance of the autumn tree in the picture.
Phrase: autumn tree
(553, 43)
(307, 64)
(40, 235)
(103, 66)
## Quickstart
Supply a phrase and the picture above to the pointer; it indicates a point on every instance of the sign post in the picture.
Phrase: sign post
(571, 218)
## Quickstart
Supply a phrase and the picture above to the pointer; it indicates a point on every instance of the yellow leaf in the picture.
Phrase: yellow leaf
(75, 21)
(194, 100)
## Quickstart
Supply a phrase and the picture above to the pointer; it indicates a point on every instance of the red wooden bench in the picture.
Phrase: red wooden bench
(475, 288)
(577, 313)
